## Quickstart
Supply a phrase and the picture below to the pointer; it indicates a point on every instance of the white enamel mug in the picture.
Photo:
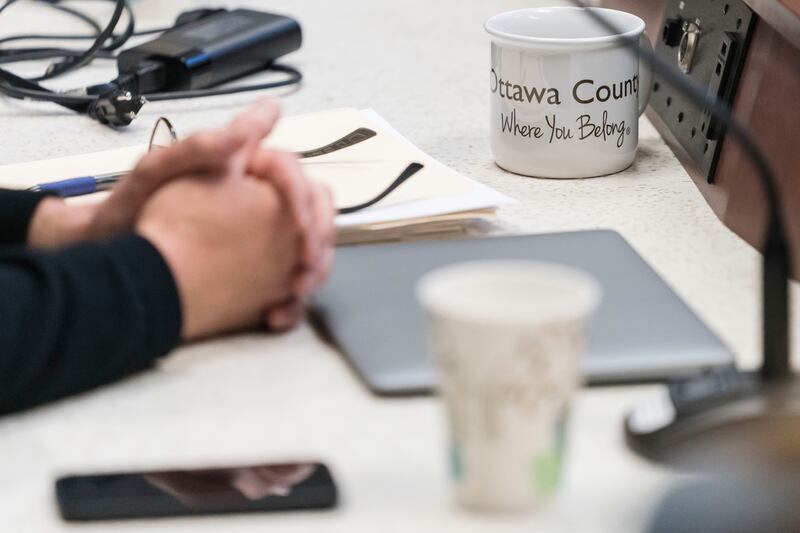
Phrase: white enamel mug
(566, 93)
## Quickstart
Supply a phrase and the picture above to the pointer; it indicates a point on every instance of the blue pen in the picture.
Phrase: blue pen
(79, 186)
(102, 182)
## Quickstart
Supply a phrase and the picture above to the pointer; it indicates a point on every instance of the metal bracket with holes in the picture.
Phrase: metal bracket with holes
(707, 40)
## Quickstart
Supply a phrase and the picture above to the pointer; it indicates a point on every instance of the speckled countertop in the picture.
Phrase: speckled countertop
(422, 65)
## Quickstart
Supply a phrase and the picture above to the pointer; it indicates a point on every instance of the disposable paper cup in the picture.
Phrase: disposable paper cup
(508, 336)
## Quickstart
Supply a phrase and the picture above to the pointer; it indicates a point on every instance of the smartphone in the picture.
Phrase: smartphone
(269, 487)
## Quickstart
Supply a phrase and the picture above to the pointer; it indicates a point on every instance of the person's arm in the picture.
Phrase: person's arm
(80, 317)
(17, 211)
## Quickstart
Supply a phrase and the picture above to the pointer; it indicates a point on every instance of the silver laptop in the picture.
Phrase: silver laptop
(642, 331)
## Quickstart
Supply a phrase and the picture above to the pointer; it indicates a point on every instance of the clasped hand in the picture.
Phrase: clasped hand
(245, 234)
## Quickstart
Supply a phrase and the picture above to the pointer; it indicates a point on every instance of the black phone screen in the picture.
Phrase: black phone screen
(274, 487)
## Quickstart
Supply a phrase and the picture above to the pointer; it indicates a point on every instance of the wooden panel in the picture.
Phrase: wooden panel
(768, 101)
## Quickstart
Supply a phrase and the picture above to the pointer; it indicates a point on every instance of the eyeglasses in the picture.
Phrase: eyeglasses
(163, 135)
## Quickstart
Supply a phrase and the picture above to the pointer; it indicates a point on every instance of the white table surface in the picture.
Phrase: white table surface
(252, 398)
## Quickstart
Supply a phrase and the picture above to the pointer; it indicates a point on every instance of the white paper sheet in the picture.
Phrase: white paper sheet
(478, 197)
(355, 174)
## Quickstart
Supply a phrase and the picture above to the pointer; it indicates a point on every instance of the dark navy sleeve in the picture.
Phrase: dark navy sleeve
(82, 316)
(16, 211)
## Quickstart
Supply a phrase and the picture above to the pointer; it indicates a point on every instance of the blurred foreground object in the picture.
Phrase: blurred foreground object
(509, 337)
(736, 503)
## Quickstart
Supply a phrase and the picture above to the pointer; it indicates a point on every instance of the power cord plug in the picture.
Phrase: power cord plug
(118, 108)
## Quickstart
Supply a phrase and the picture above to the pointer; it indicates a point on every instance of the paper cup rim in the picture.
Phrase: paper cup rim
(516, 38)
(586, 291)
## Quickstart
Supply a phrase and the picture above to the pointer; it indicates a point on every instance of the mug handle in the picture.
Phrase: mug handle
(645, 75)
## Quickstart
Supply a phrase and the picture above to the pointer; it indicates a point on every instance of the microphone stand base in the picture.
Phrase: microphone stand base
(721, 421)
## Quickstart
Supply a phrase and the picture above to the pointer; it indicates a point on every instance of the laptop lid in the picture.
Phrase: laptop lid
(642, 330)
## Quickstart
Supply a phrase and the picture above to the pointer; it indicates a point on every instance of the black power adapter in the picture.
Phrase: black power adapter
(204, 49)
(210, 51)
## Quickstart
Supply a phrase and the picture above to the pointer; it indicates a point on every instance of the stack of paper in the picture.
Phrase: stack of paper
(436, 201)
